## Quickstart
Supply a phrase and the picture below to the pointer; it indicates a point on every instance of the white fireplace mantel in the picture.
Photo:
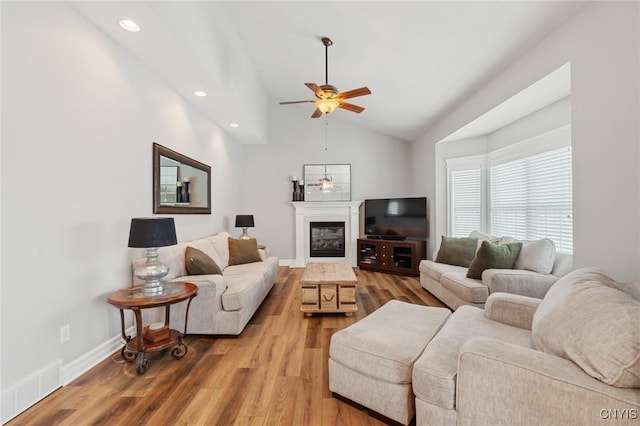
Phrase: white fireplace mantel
(326, 211)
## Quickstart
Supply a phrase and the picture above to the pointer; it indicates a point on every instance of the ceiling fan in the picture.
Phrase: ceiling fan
(327, 96)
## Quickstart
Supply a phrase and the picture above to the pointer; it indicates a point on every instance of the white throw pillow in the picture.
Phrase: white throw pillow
(586, 319)
(537, 256)
(220, 242)
(481, 236)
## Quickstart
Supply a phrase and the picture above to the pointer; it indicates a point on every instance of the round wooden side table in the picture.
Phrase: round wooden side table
(132, 298)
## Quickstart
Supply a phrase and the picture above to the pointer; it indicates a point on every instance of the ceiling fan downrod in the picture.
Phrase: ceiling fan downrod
(327, 42)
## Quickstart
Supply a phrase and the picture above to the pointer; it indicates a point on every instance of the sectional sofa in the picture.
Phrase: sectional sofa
(572, 358)
(534, 271)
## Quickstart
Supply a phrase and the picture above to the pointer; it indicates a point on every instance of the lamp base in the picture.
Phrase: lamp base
(244, 235)
(151, 272)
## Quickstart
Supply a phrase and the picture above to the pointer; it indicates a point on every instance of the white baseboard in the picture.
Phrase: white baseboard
(29, 391)
(86, 362)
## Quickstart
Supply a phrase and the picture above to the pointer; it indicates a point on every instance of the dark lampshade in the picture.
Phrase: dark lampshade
(244, 221)
(149, 232)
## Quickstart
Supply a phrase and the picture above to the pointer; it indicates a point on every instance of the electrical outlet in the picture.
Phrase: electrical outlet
(65, 334)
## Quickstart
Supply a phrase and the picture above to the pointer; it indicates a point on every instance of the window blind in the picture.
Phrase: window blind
(531, 198)
(465, 199)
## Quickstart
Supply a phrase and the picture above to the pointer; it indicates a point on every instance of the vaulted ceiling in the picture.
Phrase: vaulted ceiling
(420, 59)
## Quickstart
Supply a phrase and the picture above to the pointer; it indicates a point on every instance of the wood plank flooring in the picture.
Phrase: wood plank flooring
(274, 373)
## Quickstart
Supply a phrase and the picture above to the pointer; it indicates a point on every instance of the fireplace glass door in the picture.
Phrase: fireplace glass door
(327, 239)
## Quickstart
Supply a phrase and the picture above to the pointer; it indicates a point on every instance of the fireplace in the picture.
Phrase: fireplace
(344, 212)
(326, 239)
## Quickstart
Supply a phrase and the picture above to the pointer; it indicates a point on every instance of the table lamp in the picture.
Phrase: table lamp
(151, 233)
(244, 221)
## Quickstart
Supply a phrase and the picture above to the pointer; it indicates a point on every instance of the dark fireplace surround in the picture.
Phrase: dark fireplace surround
(326, 239)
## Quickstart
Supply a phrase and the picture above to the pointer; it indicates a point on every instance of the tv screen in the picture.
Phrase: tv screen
(396, 218)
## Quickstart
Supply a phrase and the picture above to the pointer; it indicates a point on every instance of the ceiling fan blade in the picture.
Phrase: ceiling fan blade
(351, 107)
(315, 89)
(295, 102)
(354, 93)
(317, 113)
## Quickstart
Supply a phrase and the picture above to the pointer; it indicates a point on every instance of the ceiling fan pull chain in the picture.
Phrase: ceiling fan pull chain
(326, 130)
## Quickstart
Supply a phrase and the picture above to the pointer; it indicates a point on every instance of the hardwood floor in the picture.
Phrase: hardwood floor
(274, 373)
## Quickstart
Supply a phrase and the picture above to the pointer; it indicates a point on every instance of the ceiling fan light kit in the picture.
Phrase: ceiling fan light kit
(327, 96)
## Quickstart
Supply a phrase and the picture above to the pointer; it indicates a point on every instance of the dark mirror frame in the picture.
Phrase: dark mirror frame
(159, 150)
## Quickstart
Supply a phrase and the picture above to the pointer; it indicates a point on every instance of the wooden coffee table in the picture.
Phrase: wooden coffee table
(328, 287)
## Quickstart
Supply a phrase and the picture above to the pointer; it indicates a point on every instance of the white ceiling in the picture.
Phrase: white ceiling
(420, 59)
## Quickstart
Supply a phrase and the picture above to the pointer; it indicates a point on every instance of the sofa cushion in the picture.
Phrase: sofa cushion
(467, 289)
(493, 256)
(457, 251)
(386, 343)
(197, 262)
(585, 318)
(220, 243)
(537, 256)
(173, 257)
(243, 251)
(240, 291)
(434, 373)
(435, 270)
(267, 266)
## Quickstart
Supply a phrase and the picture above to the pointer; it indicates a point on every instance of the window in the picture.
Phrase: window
(465, 202)
(531, 198)
(523, 190)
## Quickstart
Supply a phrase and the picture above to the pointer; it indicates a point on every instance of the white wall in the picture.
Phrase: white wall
(79, 116)
(379, 168)
(601, 42)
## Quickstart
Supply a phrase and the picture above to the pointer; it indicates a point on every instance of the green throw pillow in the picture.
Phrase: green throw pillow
(197, 262)
(493, 256)
(457, 251)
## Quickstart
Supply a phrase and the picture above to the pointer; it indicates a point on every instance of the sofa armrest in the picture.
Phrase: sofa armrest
(518, 281)
(511, 309)
(500, 383)
(203, 307)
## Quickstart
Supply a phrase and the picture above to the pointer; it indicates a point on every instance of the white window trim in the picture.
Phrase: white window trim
(548, 141)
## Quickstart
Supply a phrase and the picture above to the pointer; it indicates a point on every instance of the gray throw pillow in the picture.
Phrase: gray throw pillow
(493, 256)
(197, 262)
(457, 251)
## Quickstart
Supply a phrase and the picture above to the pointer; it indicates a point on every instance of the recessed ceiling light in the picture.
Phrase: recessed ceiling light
(234, 125)
(129, 25)
(200, 93)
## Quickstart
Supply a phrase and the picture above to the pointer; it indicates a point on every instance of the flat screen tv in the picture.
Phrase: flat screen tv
(396, 218)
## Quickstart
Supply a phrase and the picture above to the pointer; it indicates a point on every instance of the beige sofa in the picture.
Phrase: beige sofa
(572, 358)
(225, 303)
(536, 269)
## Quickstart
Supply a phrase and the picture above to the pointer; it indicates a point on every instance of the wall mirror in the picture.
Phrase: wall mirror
(181, 185)
(327, 182)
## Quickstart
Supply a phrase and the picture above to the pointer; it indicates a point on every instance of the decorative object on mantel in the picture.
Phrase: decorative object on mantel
(298, 189)
(327, 182)
(327, 96)
(244, 221)
(151, 233)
